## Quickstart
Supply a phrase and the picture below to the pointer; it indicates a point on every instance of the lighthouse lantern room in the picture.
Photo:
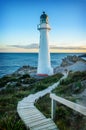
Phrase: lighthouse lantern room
(44, 63)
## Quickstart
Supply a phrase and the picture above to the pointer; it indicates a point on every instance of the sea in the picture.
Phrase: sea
(10, 62)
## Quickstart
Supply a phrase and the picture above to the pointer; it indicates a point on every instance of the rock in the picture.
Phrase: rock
(77, 66)
(71, 64)
(25, 70)
(70, 60)
(83, 55)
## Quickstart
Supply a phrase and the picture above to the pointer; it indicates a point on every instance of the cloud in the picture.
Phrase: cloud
(69, 48)
(36, 46)
(2, 49)
(31, 46)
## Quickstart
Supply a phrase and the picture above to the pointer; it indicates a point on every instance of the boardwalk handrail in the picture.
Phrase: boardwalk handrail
(66, 102)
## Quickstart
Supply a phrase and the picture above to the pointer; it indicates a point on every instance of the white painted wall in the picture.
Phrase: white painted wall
(44, 63)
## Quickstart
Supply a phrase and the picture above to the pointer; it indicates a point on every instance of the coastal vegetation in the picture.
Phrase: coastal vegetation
(69, 88)
(14, 88)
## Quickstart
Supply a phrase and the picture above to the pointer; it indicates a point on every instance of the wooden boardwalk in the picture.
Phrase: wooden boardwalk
(31, 116)
(34, 119)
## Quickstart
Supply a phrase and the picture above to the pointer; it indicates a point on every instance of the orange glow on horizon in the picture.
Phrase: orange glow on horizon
(22, 50)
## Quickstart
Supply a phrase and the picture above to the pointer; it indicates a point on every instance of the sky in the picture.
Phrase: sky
(19, 20)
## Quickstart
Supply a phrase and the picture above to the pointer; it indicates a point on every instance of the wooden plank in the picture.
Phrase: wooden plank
(33, 116)
(34, 120)
(29, 112)
(43, 126)
(30, 108)
(40, 122)
(25, 104)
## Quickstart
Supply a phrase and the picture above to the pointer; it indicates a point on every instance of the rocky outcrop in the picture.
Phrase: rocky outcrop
(83, 55)
(71, 64)
(70, 60)
(25, 70)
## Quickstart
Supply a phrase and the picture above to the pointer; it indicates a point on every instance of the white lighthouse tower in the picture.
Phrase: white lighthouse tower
(44, 64)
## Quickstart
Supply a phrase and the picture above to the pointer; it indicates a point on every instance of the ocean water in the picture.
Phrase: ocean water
(10, 62)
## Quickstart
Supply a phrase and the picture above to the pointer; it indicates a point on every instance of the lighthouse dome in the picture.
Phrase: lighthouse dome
(44, 18)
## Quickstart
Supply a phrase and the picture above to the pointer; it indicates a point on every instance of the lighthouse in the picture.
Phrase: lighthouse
(44, 63)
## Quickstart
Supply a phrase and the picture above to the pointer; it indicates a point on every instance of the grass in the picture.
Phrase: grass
(44, 105)
(9, 118)
(15, 92)
(11, 121)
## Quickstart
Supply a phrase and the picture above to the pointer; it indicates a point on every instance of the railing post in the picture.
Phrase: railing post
(53, 108)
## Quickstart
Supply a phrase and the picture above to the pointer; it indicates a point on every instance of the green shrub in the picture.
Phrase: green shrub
(78, 76)
(18, 84)
(73, 77)
(29, 81)
(78, 87)
(25, 76)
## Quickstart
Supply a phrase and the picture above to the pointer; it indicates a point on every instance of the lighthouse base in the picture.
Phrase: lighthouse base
(45, 72)
(42, 75)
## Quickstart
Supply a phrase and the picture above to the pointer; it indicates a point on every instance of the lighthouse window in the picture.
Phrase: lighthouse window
(43, 20)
